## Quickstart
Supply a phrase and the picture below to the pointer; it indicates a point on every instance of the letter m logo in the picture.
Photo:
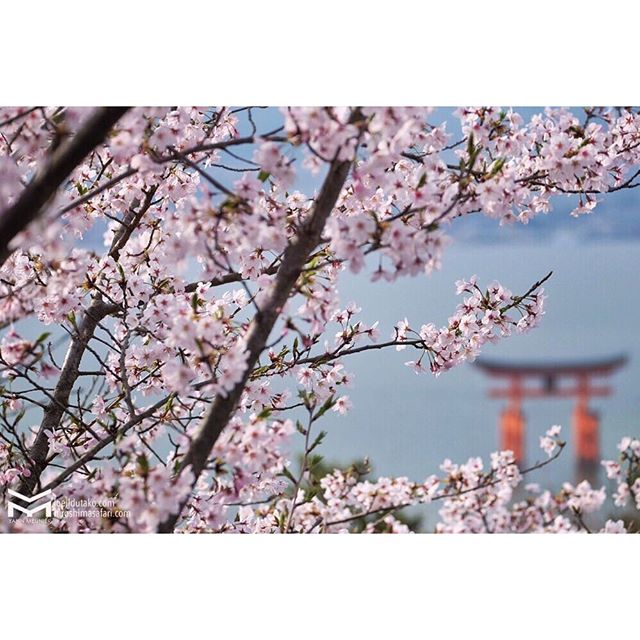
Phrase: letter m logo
(12, 506)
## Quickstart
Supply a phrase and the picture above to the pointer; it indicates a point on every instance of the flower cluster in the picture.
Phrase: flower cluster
(483, 316)
(474, 499)
(626, 472)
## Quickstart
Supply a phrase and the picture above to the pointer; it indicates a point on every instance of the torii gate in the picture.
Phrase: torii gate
(522, 379)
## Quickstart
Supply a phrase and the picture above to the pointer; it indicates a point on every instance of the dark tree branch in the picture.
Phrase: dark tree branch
(181, 156)
(263, 322)
(104, 442)
(99, 309)
(227, 279)
(39, 451)
(63, 161)
(129, 224)
(98, 190)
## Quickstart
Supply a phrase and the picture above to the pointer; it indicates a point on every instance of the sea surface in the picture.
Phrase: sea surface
(407, 423)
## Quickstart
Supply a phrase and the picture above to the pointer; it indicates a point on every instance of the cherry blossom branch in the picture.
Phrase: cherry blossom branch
(518, 299)
(295, 257)
(129, 224)
(98, 190)
(39, 451)
(181, 156)
(234, 142)
(17, 117)
(627, 184)
(112, 437)
(63, 161)
(279, 367)
(229, 278)
(303, 469)
(444, 495)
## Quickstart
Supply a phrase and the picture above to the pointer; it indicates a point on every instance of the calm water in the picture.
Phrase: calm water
(409, 423)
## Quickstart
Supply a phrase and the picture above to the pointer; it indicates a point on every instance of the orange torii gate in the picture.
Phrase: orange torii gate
(529, 380)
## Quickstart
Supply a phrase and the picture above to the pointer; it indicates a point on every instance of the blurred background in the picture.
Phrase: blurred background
(408, 424)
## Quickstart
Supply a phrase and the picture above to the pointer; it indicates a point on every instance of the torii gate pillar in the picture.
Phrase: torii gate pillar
(512, 431)
(512, 422)
(586, 426)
